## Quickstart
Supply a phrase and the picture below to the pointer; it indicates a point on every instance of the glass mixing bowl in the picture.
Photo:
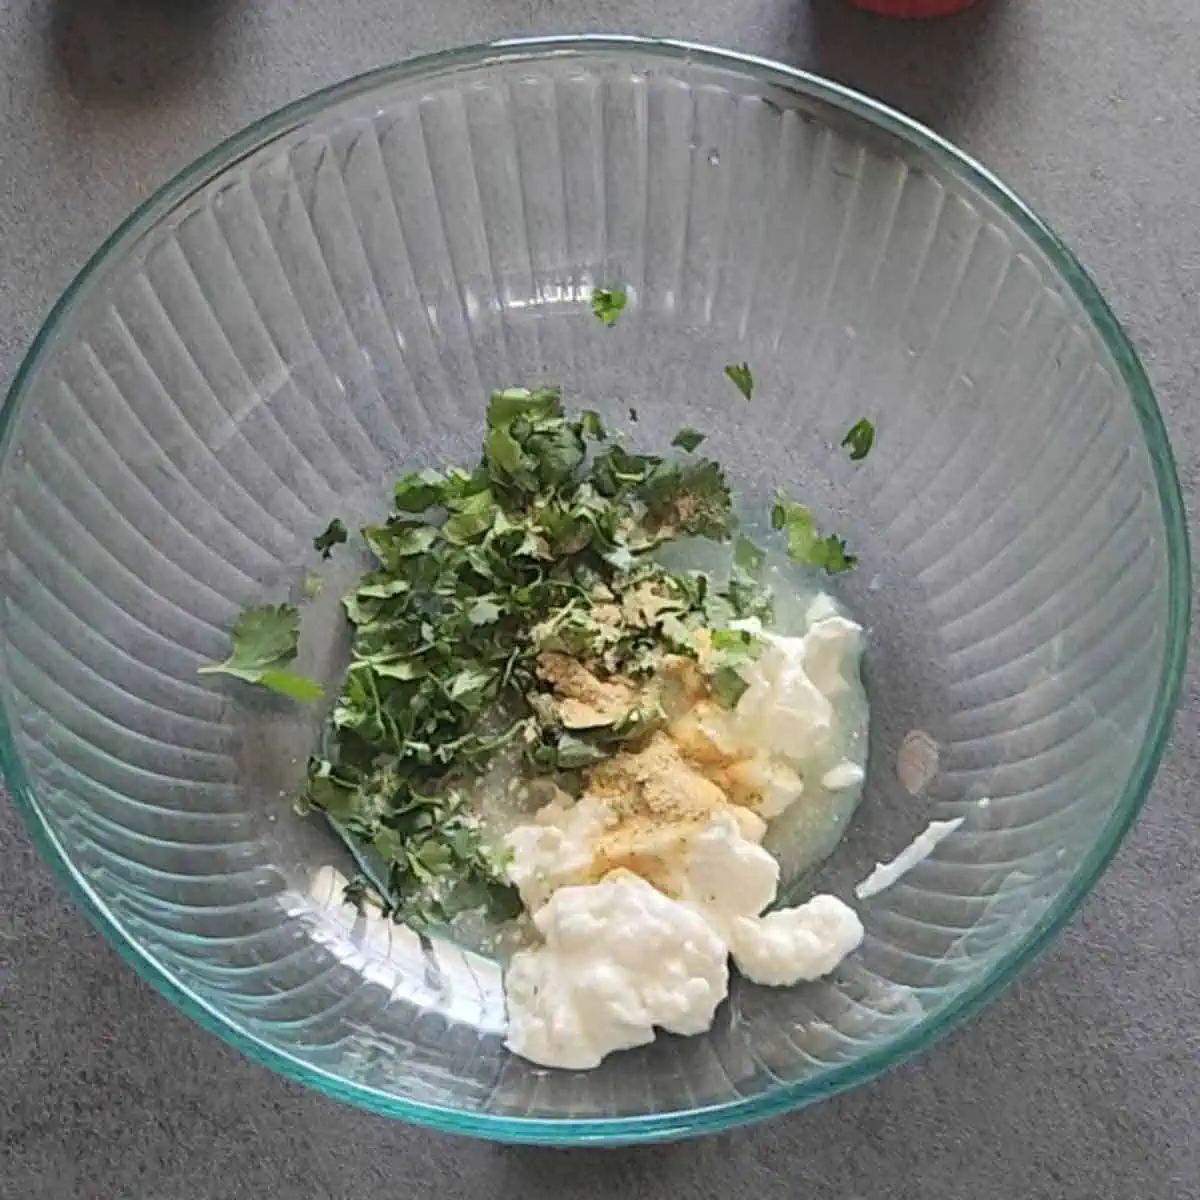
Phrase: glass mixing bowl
(327, 299)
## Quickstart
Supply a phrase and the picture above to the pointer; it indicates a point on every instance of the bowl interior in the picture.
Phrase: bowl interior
(328, 301)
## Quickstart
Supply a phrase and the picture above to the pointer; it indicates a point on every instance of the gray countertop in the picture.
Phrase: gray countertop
(1081, 1081)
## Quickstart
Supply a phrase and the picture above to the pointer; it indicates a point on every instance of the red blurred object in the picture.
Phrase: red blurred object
(914, 8)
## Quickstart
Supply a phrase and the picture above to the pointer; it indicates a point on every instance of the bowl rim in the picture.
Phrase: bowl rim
(784, 1097)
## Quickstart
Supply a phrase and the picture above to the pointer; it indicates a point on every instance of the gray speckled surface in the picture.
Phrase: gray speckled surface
(1080, 1081)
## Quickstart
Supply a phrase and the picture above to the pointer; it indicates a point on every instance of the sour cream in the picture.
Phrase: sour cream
(620, 956)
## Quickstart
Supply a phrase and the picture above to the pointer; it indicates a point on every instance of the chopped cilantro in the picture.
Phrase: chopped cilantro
(265, 640)
(487, 581)
(687, 440)
(860, 438)
(334, 534)
(479, 573)
(608, 304)
(742, 378)
(313, 585)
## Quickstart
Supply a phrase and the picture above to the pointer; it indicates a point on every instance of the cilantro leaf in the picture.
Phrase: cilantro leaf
(514, 404)
(831, 552)
(804, 544)
(797, 522)
(741, 377)
(556, 452)
(397, 540)
(334, 534)
(735, 647)
(617, 469)
(470, 685)
(263, 637)
(328, 789)
(860, 438)
(265, 641)
(608, 304)
(295, 687)
(384, 667)
(592, 425)
(312, 586)
(727, 687)
(484, 611)
(503, 452)
(687, 440)
(419, 490)
(473, 516)
(369, 600)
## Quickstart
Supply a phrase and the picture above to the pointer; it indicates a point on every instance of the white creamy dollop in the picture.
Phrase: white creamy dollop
(790, 717)
(730, 881)
(620, 957)
(619, 960)
(726, 874)
(782, 712)
(918, 850)
(556, 850)
(793, 945)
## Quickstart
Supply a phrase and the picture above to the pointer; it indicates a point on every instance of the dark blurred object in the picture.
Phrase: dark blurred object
(914, 8)
(137, 53)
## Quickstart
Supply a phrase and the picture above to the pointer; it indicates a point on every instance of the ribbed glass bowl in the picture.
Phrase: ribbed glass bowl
(328, 298)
